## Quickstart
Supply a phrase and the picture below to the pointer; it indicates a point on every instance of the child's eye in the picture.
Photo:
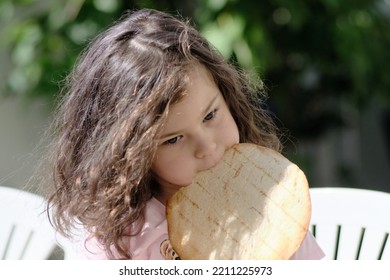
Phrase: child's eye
(210, 115)
(173, 140)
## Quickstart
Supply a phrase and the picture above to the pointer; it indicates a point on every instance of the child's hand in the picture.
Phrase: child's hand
(167, 251)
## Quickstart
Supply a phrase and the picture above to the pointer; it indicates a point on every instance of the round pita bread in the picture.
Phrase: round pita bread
(254, 204)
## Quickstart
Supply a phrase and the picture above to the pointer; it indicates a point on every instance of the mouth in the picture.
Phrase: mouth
(212, 162)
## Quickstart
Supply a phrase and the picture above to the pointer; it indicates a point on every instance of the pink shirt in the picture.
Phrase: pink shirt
(146, 244)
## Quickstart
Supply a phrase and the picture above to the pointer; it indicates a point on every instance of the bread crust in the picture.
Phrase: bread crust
(255, 204)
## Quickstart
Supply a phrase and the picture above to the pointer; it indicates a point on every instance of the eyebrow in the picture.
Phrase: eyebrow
(208, 108)
(205, 111)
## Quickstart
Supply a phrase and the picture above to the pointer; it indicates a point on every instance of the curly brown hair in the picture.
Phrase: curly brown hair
(116, 100)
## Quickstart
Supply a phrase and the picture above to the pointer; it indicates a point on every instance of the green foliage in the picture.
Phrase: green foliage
(41, 40)
(311, 54)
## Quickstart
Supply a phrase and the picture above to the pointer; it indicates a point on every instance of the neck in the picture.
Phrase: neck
(162, 197)
(165, 191)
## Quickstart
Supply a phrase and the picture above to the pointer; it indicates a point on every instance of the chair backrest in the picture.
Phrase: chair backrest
(351, 223)
(25, 230)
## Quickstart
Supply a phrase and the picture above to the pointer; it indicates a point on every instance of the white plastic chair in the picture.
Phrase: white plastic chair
(25, 230)
(351, 224)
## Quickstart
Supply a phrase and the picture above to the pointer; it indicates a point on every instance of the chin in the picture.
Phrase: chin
(187, 184)
(183, 183)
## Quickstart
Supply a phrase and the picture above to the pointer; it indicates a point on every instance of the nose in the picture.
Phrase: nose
(205, 147)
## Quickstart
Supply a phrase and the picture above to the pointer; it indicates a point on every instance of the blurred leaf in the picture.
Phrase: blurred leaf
(311, 54)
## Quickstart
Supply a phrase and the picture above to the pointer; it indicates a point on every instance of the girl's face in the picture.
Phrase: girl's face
(198, 130)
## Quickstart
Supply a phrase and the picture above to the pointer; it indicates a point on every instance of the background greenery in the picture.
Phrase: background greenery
(319, 59)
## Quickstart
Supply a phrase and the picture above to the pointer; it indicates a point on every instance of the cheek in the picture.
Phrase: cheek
(162, 164)
(230, 132)
(170, 168)
(235, 133)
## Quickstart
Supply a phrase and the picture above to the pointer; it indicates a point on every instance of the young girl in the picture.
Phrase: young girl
(149, 104)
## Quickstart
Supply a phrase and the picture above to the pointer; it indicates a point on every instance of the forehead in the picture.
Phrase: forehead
(199, 92)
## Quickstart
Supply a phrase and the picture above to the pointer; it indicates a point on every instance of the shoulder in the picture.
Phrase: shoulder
(309, 249)
(145, 245)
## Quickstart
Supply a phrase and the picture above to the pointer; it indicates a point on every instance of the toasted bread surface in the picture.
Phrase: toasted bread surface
(254, 204)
